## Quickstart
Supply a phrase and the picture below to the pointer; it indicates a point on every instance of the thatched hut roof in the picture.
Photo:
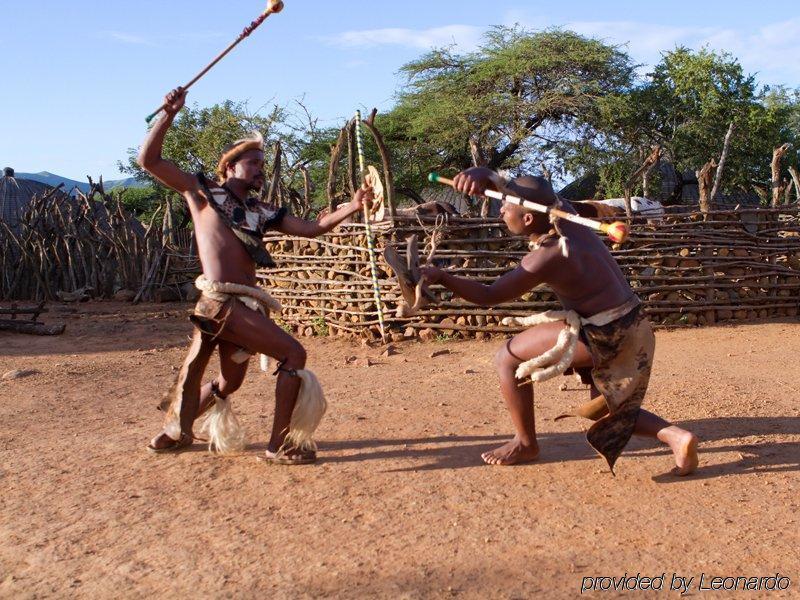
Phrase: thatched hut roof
(583, 188)
(16, 194)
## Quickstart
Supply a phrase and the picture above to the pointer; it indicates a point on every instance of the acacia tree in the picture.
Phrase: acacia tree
(508, 104)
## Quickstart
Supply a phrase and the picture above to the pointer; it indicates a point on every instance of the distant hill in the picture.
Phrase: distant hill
(54, 180)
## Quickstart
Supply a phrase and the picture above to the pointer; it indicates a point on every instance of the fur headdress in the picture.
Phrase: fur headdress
(255, 141)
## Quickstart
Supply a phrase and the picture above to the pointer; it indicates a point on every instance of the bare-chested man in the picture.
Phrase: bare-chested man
(229, 227)
(616, 341)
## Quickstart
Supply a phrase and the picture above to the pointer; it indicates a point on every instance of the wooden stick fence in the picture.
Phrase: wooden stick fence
(691, 269)
(73, 248)
(736, 265)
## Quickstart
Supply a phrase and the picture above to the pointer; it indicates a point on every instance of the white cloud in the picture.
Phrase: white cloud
(645, 41)
(464, 36)
(355, 64)
(199, 36)
(771, 51)
(183, 37)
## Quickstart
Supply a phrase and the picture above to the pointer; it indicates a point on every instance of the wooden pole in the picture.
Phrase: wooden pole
(617, 231)
(273, 7)
(370, 243)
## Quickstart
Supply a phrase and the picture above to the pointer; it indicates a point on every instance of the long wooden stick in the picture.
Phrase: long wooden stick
(273, 7)
(616, 231)
(376, 290)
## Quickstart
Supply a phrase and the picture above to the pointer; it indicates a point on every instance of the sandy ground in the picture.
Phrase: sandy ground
(400, 504)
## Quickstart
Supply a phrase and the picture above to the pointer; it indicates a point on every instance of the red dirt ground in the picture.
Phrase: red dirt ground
(400, 504)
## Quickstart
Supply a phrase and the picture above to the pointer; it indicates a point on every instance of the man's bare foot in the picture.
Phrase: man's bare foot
(511, 453)
(684, 448)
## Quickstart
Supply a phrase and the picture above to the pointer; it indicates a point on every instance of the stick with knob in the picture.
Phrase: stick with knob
(616, 231)
(273, 7)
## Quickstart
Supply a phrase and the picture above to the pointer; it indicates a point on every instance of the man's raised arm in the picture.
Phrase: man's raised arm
(150, 158)
(300, 227)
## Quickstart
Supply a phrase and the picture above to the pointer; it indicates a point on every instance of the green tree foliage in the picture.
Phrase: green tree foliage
(197, 137)
(510, 102)
(525, 100)
(142, 202)
(686, 106)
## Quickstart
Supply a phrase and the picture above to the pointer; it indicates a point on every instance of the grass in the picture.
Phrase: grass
(320, 326)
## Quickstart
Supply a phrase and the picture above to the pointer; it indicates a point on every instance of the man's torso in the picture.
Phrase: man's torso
(588, 280)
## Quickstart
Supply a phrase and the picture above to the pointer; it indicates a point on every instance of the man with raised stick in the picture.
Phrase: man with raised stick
(232, 312)
(602, 334)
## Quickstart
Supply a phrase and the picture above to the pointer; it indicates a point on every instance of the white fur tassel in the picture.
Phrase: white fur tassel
(308, 412)
(562, 352)
(225, 433)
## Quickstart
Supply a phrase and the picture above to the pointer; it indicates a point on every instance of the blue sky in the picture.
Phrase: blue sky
(80, 76)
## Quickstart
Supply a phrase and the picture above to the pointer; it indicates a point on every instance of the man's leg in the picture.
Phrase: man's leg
(519, 398)
(185, 396)
(229, 380)
(257, 333)
(683, 443)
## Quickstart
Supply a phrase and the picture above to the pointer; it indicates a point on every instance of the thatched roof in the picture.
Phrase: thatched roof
(16, 195)
(583, 188)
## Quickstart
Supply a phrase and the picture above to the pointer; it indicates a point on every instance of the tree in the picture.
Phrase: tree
(142, 202)
(686, 105)
(508, 104)
(197, 137)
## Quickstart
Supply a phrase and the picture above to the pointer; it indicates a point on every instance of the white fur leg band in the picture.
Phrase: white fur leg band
(560, 356)
(307, 415)
(225, 433)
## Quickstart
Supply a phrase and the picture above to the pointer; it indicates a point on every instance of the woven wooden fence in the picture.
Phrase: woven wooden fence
(691, 269)
(77, 248)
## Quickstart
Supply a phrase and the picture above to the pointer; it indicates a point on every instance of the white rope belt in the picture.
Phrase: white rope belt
(564, 349)
(249, 295)
(562, 352)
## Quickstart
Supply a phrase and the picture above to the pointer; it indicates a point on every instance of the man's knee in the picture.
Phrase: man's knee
(228, 385)
(504, 360)
(296, 357)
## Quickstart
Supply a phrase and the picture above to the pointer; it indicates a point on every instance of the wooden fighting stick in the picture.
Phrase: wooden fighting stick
(273, 7)
(616, 231)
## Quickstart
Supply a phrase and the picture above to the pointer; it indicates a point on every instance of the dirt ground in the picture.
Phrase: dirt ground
(400, 504)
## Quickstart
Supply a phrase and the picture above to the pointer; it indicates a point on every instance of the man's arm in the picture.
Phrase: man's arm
(510, 286)
(300, 227)
(150, 158)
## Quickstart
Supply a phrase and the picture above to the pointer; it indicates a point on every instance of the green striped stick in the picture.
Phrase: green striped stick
(376, 292)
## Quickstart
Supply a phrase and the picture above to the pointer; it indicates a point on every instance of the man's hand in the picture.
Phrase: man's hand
(364, 196)
(431, 274)
(174, 101)
(150, 158)
(475, 181)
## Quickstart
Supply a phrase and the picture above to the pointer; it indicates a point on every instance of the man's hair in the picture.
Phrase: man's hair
(534, 188)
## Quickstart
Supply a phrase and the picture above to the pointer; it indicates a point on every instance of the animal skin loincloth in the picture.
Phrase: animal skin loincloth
(209, 318)
(622, 352)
